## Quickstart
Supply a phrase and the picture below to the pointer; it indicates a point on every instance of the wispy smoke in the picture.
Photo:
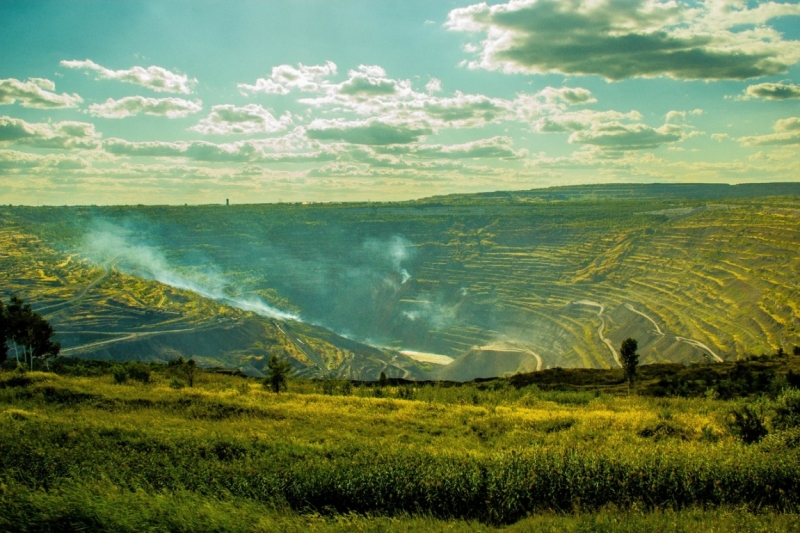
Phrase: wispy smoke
(122, 247)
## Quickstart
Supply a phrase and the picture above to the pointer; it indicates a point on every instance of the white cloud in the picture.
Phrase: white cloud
(156, 78)
(434, 85)
(568, 95)
(252, 118)
(133, 105)
(787, 124)
(617, 136)
(285, 78)
(35, 93)
(772, 91)
(370, 132)
(787, 132)
(196, 150)
(60, 135)
(559, 121)
(617, 39)
(253, 150)
(15, 160)
(495, 147)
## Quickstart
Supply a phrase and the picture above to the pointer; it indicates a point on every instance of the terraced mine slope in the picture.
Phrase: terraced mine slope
(101, 312)
(498, 283)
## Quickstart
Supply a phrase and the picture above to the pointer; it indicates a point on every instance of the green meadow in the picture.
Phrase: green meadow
(92, 449)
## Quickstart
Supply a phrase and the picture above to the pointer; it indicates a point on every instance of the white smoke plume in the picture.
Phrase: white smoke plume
(113, 245)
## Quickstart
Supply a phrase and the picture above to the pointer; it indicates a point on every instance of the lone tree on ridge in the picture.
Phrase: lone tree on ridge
(629, 359)
(3, 333)
(279, 370)
(30, 331)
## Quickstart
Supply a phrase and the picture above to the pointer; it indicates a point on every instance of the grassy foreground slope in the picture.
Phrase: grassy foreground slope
(88, 452)
(501, 282)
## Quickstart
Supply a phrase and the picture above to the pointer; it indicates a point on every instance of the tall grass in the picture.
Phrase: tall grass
(496, 463)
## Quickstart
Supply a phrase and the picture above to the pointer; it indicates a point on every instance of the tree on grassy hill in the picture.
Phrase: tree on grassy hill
(29, 330)
(279, 370)
(3, 334)
(629, 359)
(190, 371)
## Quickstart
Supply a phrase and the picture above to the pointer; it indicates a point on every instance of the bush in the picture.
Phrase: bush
(138, 372)
(120, 374)
(787, 410)
(748, 423)
(328, 385)
(405, 393)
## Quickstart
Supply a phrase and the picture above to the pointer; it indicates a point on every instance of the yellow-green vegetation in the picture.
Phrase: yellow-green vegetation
(228, 455)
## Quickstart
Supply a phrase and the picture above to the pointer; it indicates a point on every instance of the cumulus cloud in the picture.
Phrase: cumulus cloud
(156, 78)
(388, 103)
(253, 150)
(60, 135)
(618, 39)
(559, 121)
(772, 91)
(134, 105)
(367, 81)
(35, 93)
(622, 137)
(787, 132)
(499, 147)
(434, 85)
(370, 132)
(195, 150)
(285, 78)
(15, 160)
(568, 95)
(252, 118)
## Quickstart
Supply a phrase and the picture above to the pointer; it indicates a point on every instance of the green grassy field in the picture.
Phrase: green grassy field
(85, 452)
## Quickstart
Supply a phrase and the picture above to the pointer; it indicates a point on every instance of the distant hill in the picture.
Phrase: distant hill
(694, 272)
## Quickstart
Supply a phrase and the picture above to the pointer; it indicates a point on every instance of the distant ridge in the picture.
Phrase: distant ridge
(698, 191)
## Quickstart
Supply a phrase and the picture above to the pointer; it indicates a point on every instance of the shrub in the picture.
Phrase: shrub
(748, 423)
(328, 385)
(138, 372)
(405, 393)
(120, 374)
(787, 410)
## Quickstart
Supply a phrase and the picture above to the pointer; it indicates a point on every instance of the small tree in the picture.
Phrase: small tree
(3, 333)
(383, 380)
(190, 371)
(30, 330)
(279, 370)
(629, 359)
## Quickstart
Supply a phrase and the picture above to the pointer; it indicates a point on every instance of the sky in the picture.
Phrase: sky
(173, 102)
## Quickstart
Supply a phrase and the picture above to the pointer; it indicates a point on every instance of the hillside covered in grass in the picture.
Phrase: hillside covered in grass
(104, 453)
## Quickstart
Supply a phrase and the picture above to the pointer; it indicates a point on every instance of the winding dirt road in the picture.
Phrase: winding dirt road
(698, 344)
(602, 327)
(129, 336)
(79, 296)
(658, 329)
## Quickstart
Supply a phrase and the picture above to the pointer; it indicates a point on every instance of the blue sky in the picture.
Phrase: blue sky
(322, 100)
